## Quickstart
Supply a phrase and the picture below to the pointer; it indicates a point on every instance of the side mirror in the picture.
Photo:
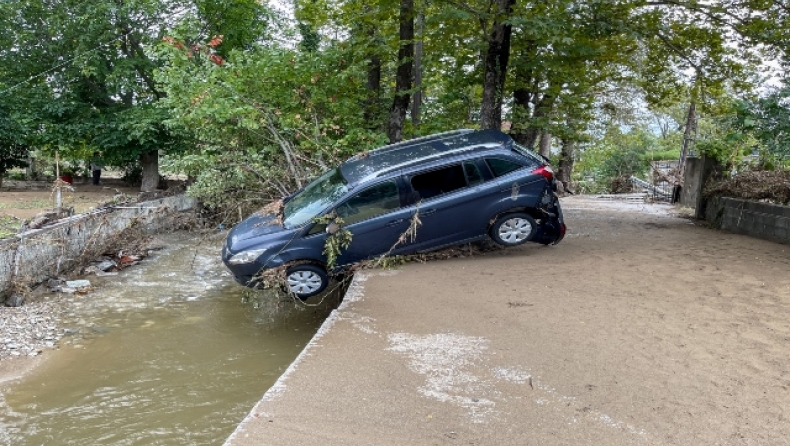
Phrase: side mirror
(332, 227)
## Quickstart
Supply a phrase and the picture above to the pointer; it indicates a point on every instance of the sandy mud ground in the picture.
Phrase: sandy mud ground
(26, 199)
(640, 328)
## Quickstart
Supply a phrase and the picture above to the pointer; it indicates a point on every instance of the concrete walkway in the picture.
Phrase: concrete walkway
(638, 329)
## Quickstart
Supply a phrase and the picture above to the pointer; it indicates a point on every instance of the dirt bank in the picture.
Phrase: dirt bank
(26, 199)
(640, 328)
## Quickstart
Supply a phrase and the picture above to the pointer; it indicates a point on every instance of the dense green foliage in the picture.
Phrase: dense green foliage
(251, 103)
(13, 151)
(619, 153)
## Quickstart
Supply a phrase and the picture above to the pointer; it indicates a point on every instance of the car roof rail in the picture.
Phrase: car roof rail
(409, 142)
(422, 159)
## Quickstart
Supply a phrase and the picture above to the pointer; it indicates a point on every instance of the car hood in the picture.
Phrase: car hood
(255, 226)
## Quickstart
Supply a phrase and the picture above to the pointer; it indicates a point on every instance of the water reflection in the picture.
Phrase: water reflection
(165, 355)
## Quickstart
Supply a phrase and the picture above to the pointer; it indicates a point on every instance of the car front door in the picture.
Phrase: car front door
(376, 219)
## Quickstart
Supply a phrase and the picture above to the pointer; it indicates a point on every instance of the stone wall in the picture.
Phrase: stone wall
(761, 220)
(36, 255)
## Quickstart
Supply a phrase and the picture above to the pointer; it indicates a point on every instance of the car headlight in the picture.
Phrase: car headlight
(246, 256)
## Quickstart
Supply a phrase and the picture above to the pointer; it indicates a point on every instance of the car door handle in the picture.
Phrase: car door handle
(395, 222)
(428, 212)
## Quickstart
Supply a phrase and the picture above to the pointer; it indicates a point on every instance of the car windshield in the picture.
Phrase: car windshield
(314, 198)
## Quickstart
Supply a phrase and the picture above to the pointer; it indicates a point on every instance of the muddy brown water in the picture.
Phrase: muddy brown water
(165, 354)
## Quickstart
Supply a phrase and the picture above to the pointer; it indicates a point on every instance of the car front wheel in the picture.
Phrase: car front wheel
(306, 280)
(513, 229)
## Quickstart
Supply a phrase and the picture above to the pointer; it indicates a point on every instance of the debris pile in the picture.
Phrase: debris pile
(672, 176)
(771, 186)
(621, 185)
(126, 248)
(274, 208)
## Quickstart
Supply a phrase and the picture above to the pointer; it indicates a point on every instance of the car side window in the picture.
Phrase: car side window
(473, 175)
(437, 182)
(369, 203)
(501, 167)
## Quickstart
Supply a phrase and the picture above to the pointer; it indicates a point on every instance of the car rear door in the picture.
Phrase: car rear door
(449, 199)
(517, 186)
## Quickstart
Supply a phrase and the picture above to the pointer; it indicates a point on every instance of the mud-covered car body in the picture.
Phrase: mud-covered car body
(462, 184)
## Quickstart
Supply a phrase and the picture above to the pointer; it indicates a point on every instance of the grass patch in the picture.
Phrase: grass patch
(27, 204)
(9, 226)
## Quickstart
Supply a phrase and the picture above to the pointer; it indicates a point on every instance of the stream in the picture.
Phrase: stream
(166, 353)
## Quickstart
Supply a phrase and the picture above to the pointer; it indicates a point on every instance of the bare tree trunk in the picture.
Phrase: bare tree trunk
(567, 159)
(372, 112)
(290, 159)
(150, 163)
(688, 134)
(496, 61)
(545, 143)
(417, 101)
(403, 80)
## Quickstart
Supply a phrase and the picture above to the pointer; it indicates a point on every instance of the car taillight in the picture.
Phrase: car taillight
(563, 229)
(545, 171)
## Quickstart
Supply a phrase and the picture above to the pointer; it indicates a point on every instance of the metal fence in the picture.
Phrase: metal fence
(661, 191)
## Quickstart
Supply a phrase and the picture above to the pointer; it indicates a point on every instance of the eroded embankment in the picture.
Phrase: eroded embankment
(59, 250)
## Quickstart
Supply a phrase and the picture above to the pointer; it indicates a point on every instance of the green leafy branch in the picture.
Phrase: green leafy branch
(338, 240)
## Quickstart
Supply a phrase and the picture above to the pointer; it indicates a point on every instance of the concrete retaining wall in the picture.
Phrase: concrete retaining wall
(695, 176)
(761, 220)
(36, 255)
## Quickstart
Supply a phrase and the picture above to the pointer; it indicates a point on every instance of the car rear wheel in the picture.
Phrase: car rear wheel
(513, 229)
(306, 280)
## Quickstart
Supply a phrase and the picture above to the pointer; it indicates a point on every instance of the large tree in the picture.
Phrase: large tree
(13, 150)
(87, 71)
(404, 72)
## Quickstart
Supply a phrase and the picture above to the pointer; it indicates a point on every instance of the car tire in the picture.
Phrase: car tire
(513, 229)
(306, 280)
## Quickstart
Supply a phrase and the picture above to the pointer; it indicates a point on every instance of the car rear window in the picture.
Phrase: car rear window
(473, 175)
(438, 182)
(500, 167)
(532, 155)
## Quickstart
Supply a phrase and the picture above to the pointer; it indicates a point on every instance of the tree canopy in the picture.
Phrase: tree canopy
(260, 97)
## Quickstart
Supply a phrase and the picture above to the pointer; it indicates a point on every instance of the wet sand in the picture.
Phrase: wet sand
(639, 329)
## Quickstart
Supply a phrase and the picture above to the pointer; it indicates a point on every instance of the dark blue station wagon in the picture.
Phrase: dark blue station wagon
(466, 185)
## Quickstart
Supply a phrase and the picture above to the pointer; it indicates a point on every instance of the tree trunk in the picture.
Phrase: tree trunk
(545, 143)
(30, 169)
(496, 61)
(525, 86)
(567, 159)
(417, 101)
(521, 115)
(403, 80)
(372, 113)
(688, 135)
(529, 136)
(150, 163)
